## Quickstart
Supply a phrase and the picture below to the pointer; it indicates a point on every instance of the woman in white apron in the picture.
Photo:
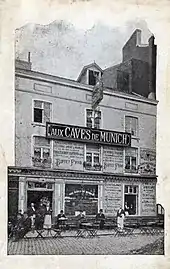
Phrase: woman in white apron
(47, 218)
(120, 219)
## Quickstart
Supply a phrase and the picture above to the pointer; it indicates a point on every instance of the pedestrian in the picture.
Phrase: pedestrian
(47, 217)
(40, 214)
(120, 218)
(32, 214)
(100, 217)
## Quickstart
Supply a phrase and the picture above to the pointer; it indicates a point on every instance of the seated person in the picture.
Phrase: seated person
(59, 216)
(23, 226)
(80, 218)
(100, 217)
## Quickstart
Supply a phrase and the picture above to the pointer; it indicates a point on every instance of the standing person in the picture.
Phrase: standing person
(100, 217)
(120, 218)
(47, 217)
(32, 214)
(126, 209)
(39, 221)
(131, 210)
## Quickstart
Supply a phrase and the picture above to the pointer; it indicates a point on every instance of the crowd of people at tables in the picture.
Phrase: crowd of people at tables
(41, 218)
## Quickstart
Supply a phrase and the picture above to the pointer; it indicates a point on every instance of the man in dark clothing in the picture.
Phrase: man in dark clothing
(100, 217)
(39, 220)
(61, 219)
(22, 227)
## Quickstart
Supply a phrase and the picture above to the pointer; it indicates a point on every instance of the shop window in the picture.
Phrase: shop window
(42, 111)
(93, 77)
(81, 197)
(131, 157)
(131, 125)
(131, 199)
(93, 158)
(93, 118)
(41, 152)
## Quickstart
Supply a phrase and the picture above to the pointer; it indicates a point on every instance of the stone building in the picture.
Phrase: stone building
(87, 144)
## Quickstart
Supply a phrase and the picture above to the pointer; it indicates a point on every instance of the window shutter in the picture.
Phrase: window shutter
(47, 111)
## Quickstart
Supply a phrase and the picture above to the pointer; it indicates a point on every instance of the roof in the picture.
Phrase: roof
(87, 67)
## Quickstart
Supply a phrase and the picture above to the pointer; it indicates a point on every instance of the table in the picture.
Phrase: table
(86, 230)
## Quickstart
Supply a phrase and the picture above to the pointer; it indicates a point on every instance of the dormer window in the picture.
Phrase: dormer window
(93, 77)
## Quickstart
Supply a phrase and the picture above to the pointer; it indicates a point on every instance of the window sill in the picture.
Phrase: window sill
(38, 124)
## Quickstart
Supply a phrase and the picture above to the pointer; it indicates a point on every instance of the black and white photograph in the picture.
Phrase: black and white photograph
(84, 178)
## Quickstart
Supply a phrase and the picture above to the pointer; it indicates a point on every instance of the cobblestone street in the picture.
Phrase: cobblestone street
(70, 245)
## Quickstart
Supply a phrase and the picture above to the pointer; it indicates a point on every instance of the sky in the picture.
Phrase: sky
(62, 49)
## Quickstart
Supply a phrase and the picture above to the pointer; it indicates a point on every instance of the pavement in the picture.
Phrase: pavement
(105, 243)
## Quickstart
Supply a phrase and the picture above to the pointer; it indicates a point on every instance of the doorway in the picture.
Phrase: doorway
(130, 199)
(36, 196)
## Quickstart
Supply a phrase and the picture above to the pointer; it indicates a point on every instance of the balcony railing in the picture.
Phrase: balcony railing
(44, 163)
(95, 167)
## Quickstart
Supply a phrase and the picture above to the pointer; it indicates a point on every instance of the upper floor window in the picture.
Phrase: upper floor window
(131, 159)
(93, 118)
(41, 152)
(93, 77)
(42, 111)
(131, 125)
(93, 157)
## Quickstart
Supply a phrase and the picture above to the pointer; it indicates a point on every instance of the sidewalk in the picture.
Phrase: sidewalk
(70, 245)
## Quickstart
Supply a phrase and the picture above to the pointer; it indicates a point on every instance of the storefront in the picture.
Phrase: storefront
(74, 191)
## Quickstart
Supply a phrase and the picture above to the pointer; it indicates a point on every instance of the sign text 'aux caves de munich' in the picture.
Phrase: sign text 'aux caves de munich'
(87, 135)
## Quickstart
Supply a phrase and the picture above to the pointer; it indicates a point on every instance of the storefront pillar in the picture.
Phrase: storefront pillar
(58, 198)
(22, 194)
(100, 196)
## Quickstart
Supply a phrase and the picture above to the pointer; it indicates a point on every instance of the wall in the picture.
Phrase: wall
(68, 107)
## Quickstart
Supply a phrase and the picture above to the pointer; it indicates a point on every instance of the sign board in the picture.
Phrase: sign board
(97, 94)
(87, 135)
(113, 159)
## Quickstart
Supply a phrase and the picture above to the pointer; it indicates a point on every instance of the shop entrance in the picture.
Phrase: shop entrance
(131, 198)
(36, 196)
(131, 203)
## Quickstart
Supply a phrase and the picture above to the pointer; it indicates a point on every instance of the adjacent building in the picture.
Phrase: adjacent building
(91, 143)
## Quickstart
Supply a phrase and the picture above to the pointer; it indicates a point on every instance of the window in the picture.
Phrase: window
(92, 161)
(131, 199)
(42, 111)
(93, 118)
(81, 197)
(41, 152)
(93, 77)
(131, 156)
(131, 125)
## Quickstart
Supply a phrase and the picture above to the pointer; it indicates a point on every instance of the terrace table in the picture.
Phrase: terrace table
(87, 230)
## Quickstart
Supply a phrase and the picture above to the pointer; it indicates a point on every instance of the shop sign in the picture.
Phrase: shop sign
(97, 94)
(87, 135)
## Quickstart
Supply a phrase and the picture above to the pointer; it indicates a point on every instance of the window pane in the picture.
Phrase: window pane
(38, 115)
(46, 153)
(126, 189)
(96, 158)
(92, 77)
(127, 162)
(37, 153)
(89, 157)
(134, 163)
(47, 111)
(38, 104)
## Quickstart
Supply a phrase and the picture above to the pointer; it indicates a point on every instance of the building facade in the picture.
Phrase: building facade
(83, 156)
